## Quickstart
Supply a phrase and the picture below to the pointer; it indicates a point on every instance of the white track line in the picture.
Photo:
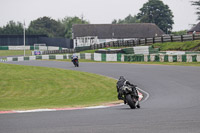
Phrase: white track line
(145, 93)
(35, 110)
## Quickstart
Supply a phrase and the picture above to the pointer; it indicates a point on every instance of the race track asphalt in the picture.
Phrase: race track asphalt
(173, 105)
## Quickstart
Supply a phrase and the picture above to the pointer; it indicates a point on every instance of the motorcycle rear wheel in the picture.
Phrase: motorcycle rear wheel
(76, 64)
(130, 101)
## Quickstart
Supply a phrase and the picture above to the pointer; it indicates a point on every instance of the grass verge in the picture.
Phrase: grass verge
(180, 46)
(30, 87)
(14, 52)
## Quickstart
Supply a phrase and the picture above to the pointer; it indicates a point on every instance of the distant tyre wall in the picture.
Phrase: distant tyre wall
(29, 48)
(39, 57)
(163, 58)
(140, 50)
(114, 57)
(147, 58)
(14, 47)
(108, 57)
(88, 56)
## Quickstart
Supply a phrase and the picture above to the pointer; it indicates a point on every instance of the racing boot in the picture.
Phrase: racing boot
(120, 96)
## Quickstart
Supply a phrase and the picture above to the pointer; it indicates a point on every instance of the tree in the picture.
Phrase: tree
(197, 3)
(12, 28)
(69, 21)
(126, 20)
(178, 33)
(154, 11)
(1, 30)
(47, 26)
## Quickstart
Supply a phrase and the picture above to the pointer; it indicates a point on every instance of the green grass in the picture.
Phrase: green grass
(30, 87)
(88, 51)
(14, 52)
(181, 46)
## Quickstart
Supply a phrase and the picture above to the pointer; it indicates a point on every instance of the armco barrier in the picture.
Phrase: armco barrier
(147, 58)
(21, 47)
(114, 57)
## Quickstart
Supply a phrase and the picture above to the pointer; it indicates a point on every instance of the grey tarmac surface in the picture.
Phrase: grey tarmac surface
(172, 107)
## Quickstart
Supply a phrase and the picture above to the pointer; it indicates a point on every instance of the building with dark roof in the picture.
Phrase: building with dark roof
(195, 29)
(89, 34)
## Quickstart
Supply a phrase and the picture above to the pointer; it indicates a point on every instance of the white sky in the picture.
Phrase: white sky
(95, 11)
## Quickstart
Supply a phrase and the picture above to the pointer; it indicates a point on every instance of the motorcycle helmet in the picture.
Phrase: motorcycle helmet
(121, 77)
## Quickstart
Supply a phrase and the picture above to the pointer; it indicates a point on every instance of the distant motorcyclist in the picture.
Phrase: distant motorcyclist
(120, 83)
(74, 58)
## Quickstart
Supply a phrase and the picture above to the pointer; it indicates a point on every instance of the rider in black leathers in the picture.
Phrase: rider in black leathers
(73, 57)
(120, 83)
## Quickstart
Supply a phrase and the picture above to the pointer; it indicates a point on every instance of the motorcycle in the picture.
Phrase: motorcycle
(75, 62)
(130, 97)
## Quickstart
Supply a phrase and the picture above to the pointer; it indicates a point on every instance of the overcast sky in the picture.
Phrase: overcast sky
(95, 11)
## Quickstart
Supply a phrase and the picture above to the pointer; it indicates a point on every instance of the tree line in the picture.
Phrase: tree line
(44, 26)
(153, 11)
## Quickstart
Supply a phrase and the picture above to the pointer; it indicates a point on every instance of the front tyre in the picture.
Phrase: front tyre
(130, 101)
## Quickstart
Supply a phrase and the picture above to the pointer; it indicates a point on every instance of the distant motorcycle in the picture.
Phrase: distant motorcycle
(75, 62)
(129, 96)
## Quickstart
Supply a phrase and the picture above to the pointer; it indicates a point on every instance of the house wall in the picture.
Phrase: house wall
(85, 41)
(88, 41)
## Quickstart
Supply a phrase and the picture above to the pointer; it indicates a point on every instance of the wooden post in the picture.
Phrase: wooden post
(181, 38)
(171, 38)
(104, 44)
(145, 41)
(153, 40)
(162, 39)
(193, 37)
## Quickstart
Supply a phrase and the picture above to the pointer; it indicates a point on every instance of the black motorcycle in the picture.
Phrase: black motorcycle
(130, 96)
(75, 62)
